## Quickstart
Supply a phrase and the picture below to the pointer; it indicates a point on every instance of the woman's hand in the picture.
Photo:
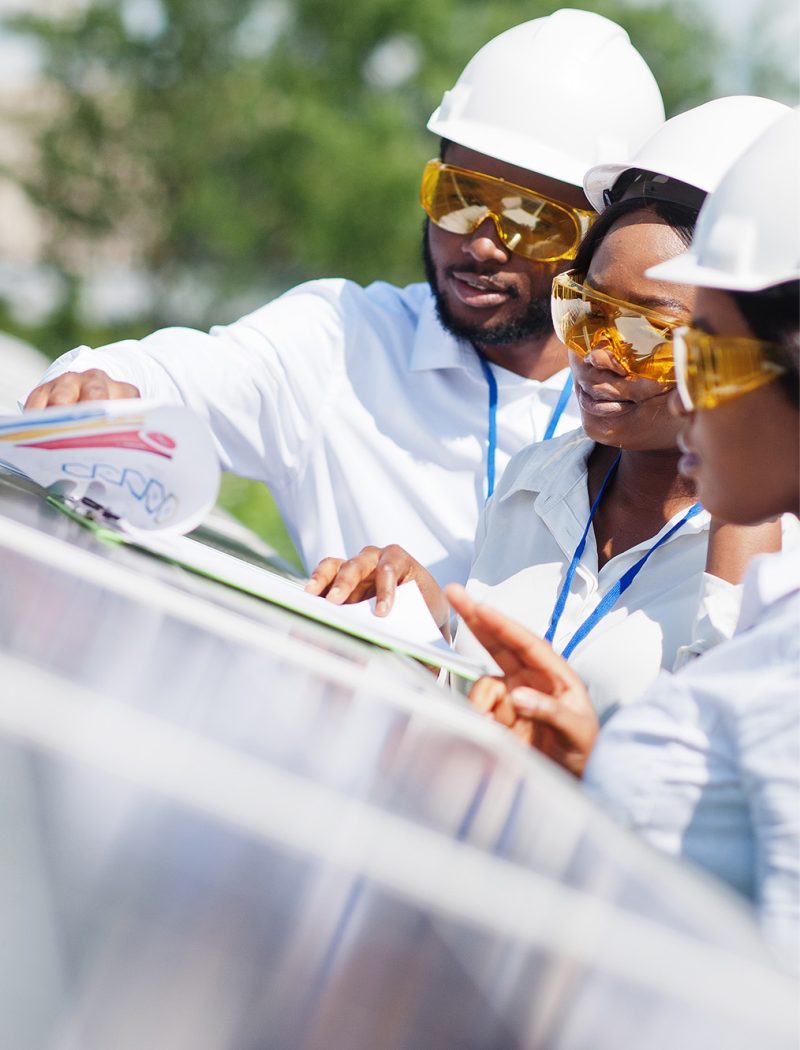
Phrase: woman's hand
(376, 573)
(540, 697)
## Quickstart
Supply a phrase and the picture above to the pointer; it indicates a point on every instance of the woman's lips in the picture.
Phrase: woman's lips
(477, 292)
(605, 403)
(689, 462)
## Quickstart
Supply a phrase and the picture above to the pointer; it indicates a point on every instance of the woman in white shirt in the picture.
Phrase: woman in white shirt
(707, 764)
(571, 518)
(595, 540)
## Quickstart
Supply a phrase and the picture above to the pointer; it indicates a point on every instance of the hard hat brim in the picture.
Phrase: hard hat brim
(523, 151)
(686, 269)
(599, 179)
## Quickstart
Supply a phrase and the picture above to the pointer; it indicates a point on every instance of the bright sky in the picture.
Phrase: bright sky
(738, 15)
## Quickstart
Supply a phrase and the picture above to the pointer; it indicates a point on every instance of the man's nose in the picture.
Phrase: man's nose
(485, 244)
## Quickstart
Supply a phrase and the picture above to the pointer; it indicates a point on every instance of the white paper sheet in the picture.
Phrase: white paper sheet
(152, 466)
(409, 628)
(154, 469)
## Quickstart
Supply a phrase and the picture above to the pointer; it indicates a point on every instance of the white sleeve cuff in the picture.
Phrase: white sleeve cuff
(123, 362)
(716, 619)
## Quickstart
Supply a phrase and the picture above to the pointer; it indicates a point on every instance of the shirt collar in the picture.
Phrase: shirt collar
(769, 578)
(433, 346)
(555, 471)
(553, 468)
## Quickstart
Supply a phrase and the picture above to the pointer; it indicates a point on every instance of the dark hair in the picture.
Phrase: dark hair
(774, 315)
(680, 217)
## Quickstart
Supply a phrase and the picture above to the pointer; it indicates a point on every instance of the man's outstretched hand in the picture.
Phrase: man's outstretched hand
(71, 387)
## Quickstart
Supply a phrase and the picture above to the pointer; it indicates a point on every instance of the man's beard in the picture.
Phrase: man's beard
(534, 323)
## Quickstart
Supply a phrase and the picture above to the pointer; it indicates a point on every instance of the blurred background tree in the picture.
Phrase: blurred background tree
(240, 146)
(228, 149)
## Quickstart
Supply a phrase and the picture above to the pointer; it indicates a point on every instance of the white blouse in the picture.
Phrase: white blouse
(525, 540)
(707, 765)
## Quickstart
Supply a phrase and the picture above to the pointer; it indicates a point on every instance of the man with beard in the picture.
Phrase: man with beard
(385, 415)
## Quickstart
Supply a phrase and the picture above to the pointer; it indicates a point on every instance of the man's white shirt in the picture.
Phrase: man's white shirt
(366, 419)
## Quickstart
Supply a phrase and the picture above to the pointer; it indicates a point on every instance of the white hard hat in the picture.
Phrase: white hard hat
(748, 233)
(695, 148)
(517, 97)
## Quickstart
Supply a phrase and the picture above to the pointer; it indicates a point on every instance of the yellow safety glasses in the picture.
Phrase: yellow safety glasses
(528, 223)
(711, 369)
(640, 339)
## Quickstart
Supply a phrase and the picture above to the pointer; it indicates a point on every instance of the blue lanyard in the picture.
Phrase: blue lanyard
(558, 411)
(492, 442)
(622, 584)
(492, 449)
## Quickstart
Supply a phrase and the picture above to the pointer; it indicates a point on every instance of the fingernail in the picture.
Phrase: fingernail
(381, 608)
(528, 699)
(334, 593)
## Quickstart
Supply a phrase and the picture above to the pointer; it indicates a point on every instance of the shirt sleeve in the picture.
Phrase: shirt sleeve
(717, 615)
(263, 383)
(767, 733)
(720, 604)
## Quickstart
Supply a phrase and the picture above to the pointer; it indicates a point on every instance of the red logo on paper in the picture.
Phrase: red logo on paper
(132, 439)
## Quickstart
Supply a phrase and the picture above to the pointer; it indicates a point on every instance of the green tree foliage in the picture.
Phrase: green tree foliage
(249, 144)
(244, 145)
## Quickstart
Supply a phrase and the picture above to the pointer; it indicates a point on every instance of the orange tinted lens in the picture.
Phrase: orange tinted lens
(718, 369)
(454, 204)
(459, 201)
(585, 321)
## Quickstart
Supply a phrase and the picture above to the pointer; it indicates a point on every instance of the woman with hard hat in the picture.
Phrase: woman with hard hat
(594, 540)
(707, 763)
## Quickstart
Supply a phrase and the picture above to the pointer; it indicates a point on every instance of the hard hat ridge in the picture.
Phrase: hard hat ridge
(514, 98)
(693, 149)
(748, 232)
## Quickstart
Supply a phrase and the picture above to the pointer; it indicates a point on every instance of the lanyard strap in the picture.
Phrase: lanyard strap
(561, 600)
(619, 588)
(492, 449)
(491, 454)
(558, 411)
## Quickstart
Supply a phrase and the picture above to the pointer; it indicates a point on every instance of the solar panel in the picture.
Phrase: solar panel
(225, 826)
